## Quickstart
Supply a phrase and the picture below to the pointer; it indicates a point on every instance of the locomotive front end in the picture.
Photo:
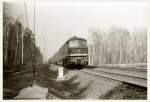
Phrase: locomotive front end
(78, 52)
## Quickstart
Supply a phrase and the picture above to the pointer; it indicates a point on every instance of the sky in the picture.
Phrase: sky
(56, 22)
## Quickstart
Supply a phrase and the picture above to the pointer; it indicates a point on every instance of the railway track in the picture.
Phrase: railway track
(144, 67)
(128, 75)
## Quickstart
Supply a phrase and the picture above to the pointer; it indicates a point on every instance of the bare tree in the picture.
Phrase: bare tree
(118, 46)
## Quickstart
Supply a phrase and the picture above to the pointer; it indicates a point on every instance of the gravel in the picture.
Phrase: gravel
(103, 88)
(98, 86)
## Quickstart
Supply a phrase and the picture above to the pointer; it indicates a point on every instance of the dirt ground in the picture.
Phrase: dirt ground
(77, 85)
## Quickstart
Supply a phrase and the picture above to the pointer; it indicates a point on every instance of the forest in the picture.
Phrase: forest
(118, 46)
(19, 45)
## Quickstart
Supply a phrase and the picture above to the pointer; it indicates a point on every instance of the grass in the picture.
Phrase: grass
(22, 76)
(16, 78)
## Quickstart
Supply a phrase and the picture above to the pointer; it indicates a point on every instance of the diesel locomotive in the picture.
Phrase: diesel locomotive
(73, 53)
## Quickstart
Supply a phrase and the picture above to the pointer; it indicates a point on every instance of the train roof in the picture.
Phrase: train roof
(76, 38)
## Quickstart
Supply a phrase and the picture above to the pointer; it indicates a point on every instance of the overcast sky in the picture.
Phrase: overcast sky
(56, 22)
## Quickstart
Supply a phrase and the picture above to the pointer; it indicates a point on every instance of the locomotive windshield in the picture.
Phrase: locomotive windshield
(77, 47)
(77, 43)
(78, 51)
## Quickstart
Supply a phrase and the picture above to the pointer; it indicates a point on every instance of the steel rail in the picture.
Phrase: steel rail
(132, 73)
(118, 77)
(119, 68)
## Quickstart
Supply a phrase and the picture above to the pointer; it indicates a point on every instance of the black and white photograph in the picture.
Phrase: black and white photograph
(74, 50)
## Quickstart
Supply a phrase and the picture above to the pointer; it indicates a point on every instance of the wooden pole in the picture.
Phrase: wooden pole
(22, 44)
(34, 43)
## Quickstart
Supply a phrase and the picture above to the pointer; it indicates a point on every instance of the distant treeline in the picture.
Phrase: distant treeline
(12, 44)
(118, 46)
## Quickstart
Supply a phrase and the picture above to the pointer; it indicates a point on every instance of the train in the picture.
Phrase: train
(73, 53)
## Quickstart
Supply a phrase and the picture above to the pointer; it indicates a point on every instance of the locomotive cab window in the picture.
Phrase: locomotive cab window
(77, 43)
(73, 43)
(77, 50)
